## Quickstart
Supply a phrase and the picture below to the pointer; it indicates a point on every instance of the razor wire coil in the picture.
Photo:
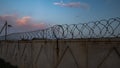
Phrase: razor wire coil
(98, 29)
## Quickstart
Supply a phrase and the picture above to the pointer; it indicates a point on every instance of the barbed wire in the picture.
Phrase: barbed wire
(98, 29)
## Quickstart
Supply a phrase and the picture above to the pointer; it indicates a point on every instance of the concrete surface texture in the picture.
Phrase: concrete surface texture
(75, 53)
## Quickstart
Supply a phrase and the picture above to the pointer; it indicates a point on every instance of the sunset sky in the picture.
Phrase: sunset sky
(26, 15)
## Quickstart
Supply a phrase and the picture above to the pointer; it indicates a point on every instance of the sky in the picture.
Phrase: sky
(28, 15)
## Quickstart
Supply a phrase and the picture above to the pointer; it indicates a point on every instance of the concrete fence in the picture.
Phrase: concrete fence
(75, 53)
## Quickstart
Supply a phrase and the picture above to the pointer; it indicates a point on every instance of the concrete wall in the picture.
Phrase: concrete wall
(77, 53)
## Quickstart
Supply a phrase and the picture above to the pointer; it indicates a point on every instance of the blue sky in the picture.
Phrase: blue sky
(45, 10)
(53, 12)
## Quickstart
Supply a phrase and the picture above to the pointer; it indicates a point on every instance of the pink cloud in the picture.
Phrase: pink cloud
(22, 24)
(72, 5)
(23, 20)
(10, 18)
(41, 25)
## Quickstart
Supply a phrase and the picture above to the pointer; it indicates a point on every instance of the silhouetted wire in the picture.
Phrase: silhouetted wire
(98, 29)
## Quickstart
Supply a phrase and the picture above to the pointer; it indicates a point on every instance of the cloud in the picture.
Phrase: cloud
(11, 18)
(72, 5)
(24, 20)
(22, 24)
